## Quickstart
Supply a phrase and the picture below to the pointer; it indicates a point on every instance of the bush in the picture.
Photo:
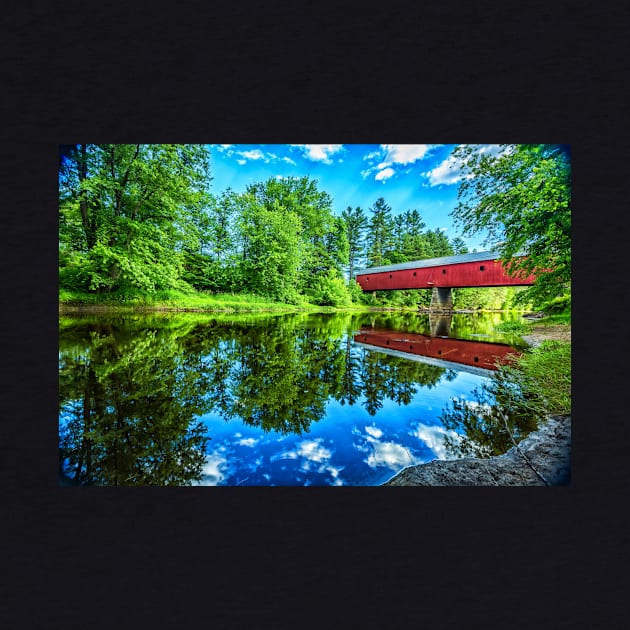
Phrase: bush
(329, 289)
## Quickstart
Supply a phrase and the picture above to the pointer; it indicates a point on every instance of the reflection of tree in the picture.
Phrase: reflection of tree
(396, 378)
(490, 424)
(127, 412)
(132, 388)
(349, 389)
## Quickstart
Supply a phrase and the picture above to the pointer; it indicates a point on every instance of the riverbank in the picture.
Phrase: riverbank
(540, 459)
(543, 458)
(538, 333)
(178, 302)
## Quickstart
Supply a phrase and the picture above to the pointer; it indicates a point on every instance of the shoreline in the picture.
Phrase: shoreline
(548, 450)
(543, 458)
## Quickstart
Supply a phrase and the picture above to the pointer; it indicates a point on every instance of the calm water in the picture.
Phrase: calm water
(342, 399)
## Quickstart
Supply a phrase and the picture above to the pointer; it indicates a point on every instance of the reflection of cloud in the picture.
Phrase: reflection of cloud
(433, 437)
(379, 453)
(475, 407)
(313, 450)
(311, 453)
(388, 454)
(374, 432)
(214, 469)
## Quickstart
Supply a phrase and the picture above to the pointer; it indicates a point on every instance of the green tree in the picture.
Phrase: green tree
(127, 213)
(356, 223)
(272, 250)
(521, 197)
(459, 246)
(380, 239)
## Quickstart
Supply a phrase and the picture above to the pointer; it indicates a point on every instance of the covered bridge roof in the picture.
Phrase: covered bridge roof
(432, 262)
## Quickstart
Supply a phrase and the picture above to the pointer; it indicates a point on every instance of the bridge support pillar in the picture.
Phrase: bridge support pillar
(442, 299)
(440, 325)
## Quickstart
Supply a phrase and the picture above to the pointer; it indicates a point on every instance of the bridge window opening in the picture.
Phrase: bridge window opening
(440, 352)
(443, 270)
(476, 359)
(414, 273)
(410, 347)
(481, 267)
(390, 275)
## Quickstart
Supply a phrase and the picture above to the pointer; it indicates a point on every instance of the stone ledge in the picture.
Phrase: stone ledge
(548, 449)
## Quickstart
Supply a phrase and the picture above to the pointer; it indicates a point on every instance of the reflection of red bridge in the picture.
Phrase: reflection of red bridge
(479, 354)
(479, 269)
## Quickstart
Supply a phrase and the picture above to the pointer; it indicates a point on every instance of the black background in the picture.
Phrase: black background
(280, 72)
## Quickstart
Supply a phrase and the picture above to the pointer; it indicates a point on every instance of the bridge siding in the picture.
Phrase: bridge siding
(473, 353)
(446, 276)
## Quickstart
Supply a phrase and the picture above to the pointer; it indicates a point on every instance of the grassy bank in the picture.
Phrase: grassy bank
(194, 301)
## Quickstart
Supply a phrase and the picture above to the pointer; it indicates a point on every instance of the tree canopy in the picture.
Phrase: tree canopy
(521, 196)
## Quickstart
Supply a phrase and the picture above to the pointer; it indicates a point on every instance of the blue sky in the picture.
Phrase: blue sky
(424, 177)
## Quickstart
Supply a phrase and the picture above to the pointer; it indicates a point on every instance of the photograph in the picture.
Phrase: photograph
(314, 315)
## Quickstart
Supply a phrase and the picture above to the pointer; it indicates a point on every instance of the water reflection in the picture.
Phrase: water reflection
(441, 350)
(247, 400)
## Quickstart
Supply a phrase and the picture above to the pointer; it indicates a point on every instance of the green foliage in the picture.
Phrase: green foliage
(512, 326)
(125, 213)
(558, 305)
(512, 404)
(521, 197)
(330, 290)
(355, 223)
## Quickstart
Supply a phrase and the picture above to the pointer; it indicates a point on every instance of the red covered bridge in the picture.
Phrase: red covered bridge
(437, 350)
(479, 269)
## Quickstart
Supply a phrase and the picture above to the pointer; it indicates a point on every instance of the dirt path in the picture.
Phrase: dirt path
(540, 333)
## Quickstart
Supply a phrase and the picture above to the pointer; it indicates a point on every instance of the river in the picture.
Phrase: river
(274, 400)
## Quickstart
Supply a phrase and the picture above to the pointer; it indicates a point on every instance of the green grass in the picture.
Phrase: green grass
(546, 375)
(512, 326)
(558, 318)
(536, 384)
(179, 300)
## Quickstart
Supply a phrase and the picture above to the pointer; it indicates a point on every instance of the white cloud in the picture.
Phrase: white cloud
(406, 153)
(251, 442)
(319, 152)
(391, 155)
(253, 154)
(449, 171)
(384, 175)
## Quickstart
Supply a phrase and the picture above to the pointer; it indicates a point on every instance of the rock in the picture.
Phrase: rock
(548, 450)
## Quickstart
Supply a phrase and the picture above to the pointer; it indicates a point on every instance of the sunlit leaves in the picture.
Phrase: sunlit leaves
(521, 198)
